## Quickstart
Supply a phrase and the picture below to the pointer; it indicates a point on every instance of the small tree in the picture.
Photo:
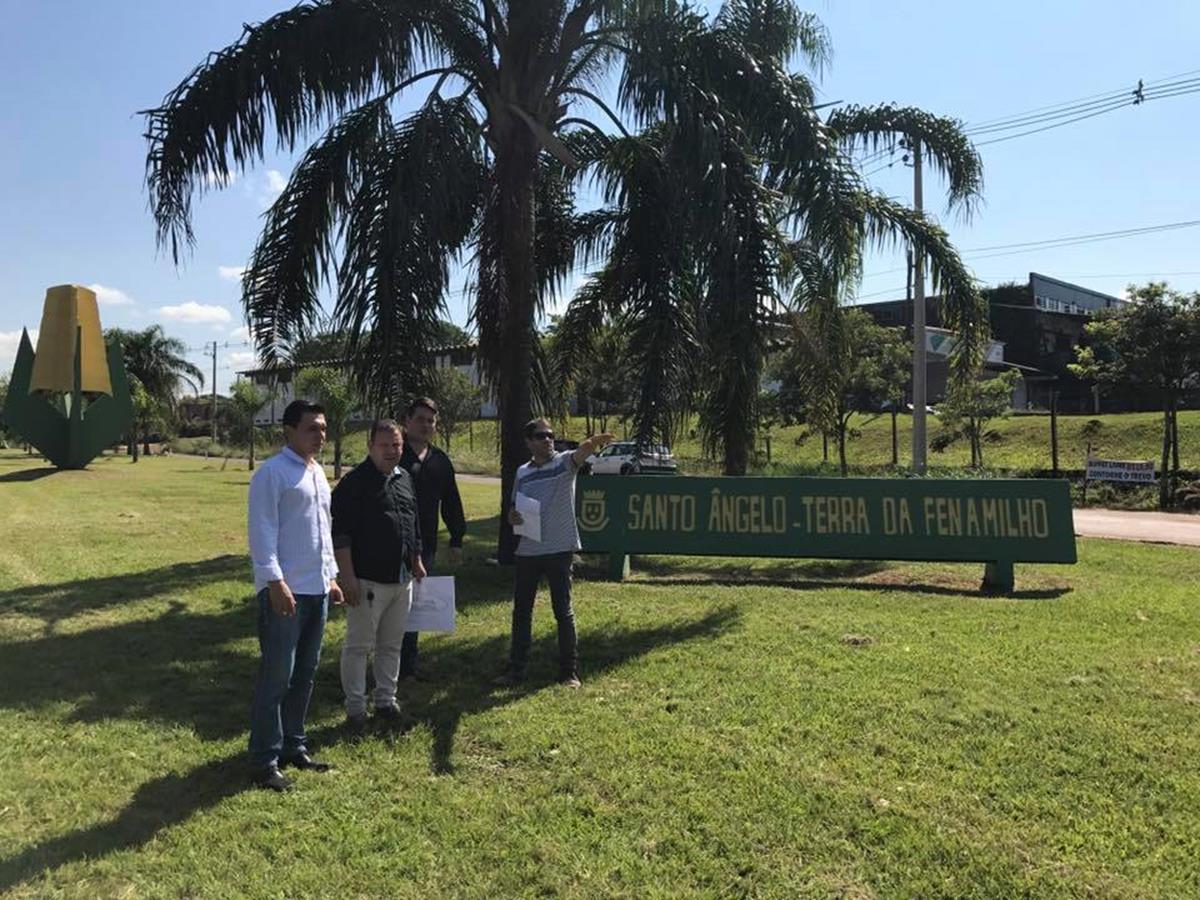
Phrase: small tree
(970, 406)
(1152, 345)
(457, 399)
(332, 388)
(841, 362)
(145, 411)
(245, 400)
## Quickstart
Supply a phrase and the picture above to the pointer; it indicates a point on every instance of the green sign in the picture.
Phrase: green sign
(997, 522)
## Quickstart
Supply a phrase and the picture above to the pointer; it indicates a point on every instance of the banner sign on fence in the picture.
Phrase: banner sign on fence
(998, 521)
(1130, 471)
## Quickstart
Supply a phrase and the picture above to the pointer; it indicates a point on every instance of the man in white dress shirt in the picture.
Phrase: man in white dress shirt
(291, 547)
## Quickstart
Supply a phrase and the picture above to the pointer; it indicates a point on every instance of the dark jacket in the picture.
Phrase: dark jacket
(375, 515)
(436, 486)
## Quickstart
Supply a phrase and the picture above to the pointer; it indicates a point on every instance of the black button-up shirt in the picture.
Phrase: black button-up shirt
(436, 487)
(375, 515)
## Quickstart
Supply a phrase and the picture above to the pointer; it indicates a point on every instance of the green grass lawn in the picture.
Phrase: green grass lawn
(756, 728)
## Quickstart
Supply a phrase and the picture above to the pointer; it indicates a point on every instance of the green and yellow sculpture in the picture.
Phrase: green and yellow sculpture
(71, 399)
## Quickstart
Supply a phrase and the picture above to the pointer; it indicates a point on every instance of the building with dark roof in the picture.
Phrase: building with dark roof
(1037, 325)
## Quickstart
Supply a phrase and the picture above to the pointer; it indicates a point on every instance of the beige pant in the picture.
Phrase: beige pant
(377, 623)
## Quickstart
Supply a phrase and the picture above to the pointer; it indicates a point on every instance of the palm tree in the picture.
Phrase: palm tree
(739, 200)
(381, 206)
(156, 363)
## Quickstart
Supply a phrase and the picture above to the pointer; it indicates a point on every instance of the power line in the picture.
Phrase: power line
(1066, 112)
(1055, 243)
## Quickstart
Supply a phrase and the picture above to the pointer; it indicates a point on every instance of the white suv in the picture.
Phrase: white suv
(625, 458)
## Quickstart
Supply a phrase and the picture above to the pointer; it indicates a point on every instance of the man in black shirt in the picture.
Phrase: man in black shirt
(437, 488)
(377, 543)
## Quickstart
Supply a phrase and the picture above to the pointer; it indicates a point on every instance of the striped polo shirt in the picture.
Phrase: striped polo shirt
(552, 484)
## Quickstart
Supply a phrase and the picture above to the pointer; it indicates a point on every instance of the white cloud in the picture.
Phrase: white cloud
(213, 180)
(9, 342)
(110, 296)
(196, 313)
(231, 273)
(241, 360)
(241, 333)
(270, 187)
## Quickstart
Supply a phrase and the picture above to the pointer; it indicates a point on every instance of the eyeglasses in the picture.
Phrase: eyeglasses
(543, 435)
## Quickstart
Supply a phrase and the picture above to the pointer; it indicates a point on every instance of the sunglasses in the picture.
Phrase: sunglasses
(543, 435)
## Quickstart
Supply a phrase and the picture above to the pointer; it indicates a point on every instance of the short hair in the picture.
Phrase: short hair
(382, 425)
(532, 425)
(419, 402)
(297, 409)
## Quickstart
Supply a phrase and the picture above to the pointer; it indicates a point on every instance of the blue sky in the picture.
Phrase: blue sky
(74, 74)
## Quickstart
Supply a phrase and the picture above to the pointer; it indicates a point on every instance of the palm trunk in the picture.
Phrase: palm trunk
(251, 466)
(337, 454)
(515, 173)
(895, 441)
(1175, 437)
(842, 448)
(1164, 488)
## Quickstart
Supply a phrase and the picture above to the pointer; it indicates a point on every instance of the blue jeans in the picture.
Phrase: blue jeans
(557, 569)
(291, 649)
(408, 648)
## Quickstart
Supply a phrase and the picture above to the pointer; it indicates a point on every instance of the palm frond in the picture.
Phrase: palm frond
(944, 144)
(295, 253)
(776, 30)
(293, 72)
(415, 207)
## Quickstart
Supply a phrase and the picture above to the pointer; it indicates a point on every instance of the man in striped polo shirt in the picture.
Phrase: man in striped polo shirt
(548, 478)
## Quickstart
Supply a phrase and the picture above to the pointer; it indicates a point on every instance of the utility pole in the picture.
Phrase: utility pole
(919, 366)
(214, 394)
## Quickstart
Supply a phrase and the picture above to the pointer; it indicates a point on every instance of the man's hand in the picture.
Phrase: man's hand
(336, 596)
(515, 518)
(350, 590)
(282, 601)
(592, 445)
(418, 569)
(456, 556)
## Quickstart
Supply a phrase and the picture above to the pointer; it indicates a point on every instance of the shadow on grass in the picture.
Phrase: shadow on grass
(173, 798)
(27, 474)
(156, 805)
(660, 566)
(798, 584)
(461, 675)
(54, 602)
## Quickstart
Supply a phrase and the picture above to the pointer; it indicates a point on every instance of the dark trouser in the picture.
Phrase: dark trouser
(408, 647)
(530, 569)
(291, 649)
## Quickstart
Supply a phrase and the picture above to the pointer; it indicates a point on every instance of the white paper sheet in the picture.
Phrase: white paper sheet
(433, 604)
(531, 512)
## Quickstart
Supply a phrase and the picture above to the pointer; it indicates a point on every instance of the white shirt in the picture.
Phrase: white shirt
(289, 525)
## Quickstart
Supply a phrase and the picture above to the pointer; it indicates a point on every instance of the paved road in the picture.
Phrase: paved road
(1154, 527)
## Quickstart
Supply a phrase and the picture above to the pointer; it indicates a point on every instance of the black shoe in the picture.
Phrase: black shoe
(303, 761)
(416, 676)
(389, 714)
(356, 724)
(271, 779)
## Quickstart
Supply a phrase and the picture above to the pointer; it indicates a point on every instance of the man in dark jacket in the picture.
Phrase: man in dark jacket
(377, 543)
(437, 489)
